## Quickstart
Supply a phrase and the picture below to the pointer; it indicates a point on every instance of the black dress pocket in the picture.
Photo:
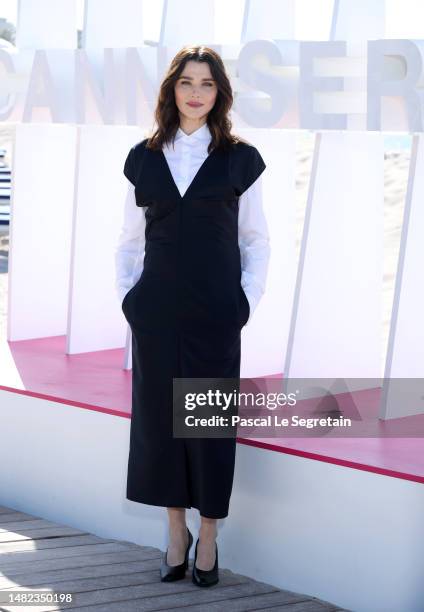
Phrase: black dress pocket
(244, 307)
(124, 301)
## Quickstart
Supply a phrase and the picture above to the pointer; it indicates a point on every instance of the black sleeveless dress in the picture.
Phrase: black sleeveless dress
(185, 312)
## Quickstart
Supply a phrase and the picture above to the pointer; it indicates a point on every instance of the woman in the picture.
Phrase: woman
(192, 213)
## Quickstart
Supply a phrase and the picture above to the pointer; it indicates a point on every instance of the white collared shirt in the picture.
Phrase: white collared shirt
(184, 160)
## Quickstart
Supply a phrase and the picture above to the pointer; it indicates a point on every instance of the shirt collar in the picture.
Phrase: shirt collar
(202, 134)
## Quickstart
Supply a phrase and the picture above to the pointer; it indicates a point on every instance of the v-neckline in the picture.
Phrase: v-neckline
(195, 178)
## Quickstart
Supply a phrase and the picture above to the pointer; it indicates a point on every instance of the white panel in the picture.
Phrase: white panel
(229, 21)
(404, 19)
(152, 19)
(113, 25)
(313, 19)
(42, 194)
(43, 24)
(187, 22)
(314, 528)
(359, 20)
(336, 321)
(405, 355)
(96, 321)
(264, 339)
(268, 19)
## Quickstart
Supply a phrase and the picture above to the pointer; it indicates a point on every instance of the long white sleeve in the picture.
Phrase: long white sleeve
(129, 252)
(254, 244)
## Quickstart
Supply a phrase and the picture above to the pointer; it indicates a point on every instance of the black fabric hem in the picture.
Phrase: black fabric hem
(212, 515)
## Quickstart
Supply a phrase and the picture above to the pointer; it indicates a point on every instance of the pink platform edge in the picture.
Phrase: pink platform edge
(97, 381)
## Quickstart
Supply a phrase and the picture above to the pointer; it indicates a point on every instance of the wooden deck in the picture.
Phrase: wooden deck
(114, 575)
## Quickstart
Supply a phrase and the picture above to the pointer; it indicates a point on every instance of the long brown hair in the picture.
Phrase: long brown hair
(166, 112)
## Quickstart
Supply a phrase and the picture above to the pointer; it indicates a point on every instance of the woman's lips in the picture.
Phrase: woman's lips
(194, 104)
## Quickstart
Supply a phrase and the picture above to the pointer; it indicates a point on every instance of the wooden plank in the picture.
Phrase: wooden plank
(5, 510)
(278, 600)
(96, 568)
(57, 556)
(6, 517)
(309, 605)
(250, 602)
(155, 596)
(38, 534)
(10, 548)
(149, 577)
(108, 564)
(29, 524)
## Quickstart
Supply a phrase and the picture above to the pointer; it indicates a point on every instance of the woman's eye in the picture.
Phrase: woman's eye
(188, 83)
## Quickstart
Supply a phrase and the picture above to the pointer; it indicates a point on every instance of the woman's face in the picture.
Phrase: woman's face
(195, 90)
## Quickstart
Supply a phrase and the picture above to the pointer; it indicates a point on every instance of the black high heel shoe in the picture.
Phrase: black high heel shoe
(168, 573)
(205, 578)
